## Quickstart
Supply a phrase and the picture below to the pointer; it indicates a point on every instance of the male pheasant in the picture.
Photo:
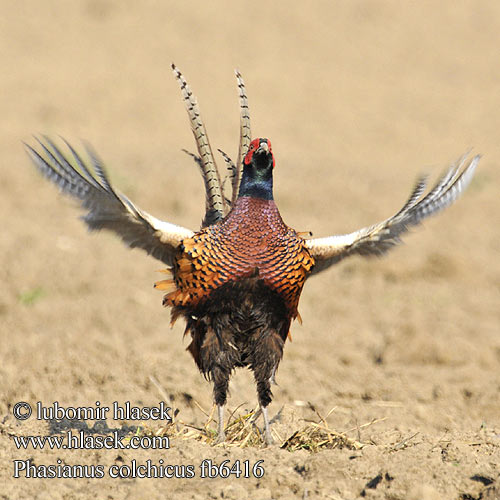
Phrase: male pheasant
(237, 281)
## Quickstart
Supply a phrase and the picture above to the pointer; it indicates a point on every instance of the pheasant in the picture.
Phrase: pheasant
(236, 281)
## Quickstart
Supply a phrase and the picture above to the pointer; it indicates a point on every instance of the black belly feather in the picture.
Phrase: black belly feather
(242, 323)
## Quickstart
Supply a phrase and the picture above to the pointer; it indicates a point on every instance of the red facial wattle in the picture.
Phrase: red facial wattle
(254, 146)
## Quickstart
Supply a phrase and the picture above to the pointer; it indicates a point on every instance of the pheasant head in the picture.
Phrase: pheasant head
(258, 164)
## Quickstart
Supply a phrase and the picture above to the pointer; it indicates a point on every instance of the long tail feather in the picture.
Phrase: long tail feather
(210, 172)
(245, 133)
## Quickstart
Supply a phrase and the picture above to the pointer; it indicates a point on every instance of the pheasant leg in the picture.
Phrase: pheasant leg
(267, 427)
(221, 435)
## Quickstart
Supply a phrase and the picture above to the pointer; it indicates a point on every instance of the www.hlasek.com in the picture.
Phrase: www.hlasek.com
(112, 439)
(82, 440)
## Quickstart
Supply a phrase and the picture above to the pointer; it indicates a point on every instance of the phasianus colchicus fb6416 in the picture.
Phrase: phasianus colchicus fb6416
(236, 281)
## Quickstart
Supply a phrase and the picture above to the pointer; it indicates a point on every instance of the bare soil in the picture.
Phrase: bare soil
(358, 98)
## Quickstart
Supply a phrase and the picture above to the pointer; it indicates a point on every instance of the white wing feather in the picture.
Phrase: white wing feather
(379, 238)
(107, 208)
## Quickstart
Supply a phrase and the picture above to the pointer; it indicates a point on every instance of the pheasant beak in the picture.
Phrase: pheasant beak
(263, 148)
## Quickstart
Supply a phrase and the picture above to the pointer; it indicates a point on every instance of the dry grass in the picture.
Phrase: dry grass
(315, 437)
(242, 431)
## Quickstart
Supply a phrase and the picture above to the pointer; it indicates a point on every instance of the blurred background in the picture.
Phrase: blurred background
(358, 98)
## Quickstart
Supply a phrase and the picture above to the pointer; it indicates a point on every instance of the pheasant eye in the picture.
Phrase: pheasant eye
(251, 150)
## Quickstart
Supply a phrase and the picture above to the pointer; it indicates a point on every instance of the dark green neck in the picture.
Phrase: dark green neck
(257, 183)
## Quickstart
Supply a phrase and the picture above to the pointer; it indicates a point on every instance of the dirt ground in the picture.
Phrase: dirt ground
(358, 98)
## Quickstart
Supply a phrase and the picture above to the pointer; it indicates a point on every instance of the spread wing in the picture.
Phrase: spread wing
(379, 238)
(107, 208)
